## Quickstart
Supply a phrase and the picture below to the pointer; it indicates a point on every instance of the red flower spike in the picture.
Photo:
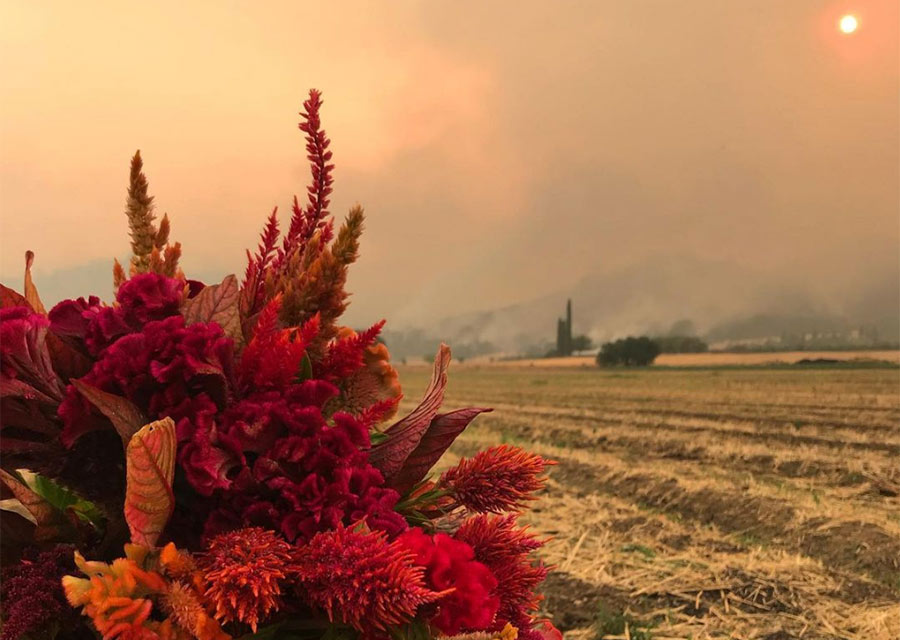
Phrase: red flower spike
(497, 539)
(244, 572)
(357, 576)
(379, 412)
(495, 480)
(254, 276)
(272, 358)
(505, 548)
(305, 222)
(346, 354)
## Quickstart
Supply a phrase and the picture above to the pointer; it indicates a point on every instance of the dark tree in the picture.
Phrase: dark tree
(564, 345)
(681, 344)
(581, 343)
(628, 352)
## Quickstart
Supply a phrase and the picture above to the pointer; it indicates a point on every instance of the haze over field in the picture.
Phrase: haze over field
(656, 160)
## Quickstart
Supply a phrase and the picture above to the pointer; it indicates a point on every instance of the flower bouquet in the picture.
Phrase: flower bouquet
(223, 460)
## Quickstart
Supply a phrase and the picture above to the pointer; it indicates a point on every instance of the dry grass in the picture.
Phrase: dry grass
(699, 504)
(704, 359)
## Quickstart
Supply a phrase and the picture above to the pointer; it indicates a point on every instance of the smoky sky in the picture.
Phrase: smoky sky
(503, 151)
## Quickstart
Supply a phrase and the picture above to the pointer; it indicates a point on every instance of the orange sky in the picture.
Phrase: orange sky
(500, 149)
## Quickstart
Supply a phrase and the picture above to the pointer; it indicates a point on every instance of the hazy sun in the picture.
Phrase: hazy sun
(848, 24)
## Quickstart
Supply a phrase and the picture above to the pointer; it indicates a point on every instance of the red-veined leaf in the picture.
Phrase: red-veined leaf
(124, 415)
(73, 507)
(217, 303)
(31, 293)
(149, 468)
(10, 298)
(67, 362)
(404, 436)
(48, 521)
(440, 434)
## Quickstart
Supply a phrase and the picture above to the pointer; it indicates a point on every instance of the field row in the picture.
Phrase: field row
(745, 504)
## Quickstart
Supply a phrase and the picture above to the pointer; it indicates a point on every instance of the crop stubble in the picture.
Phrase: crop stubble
(708, 503)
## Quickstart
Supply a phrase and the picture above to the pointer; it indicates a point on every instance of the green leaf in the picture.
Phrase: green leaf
(62, 499)
(54, 510)
(305, 372)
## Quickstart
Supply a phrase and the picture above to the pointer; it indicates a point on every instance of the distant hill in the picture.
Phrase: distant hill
(723, 301)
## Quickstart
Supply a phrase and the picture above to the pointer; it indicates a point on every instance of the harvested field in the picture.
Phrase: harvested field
(706, 503)
(712, 359)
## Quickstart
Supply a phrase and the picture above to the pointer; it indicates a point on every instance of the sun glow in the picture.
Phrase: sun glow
(848, 24)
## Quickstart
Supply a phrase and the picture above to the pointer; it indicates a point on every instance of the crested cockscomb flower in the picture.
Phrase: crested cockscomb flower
(507, 549)
(167, 369)
(296, 473)
(470, 602)
(92, 327)
(360, 578)
(245, 573)
(495, 480)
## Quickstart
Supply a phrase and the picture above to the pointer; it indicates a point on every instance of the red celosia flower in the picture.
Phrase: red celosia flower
(346, 353)
(149, 296)
(70, 319)
(142, 299)
(506, 549)
(495, 480)
(273, 357)
(297, 474)
(244, 572)
(270, 262)
(497, 539)
(451, 564)
(168, 369)
(360, 578)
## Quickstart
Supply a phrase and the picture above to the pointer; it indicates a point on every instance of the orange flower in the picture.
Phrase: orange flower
(120, 597)
(244, 572)
(375, 383)
(183, 605)
(359, 577)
